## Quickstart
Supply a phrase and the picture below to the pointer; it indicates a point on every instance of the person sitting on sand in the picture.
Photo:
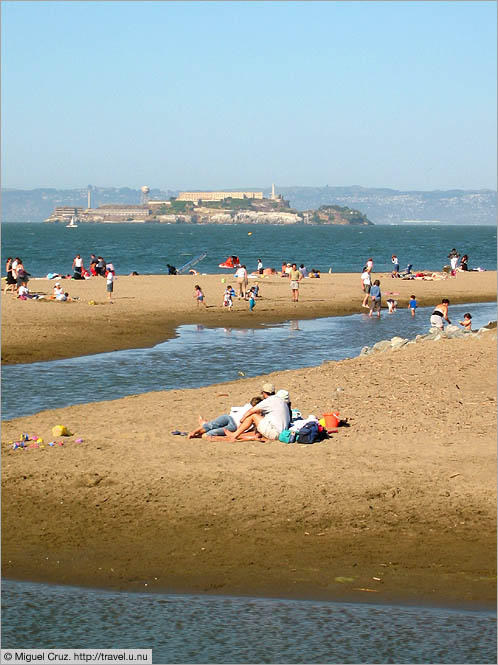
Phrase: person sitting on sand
(58, 290)
(467, 322)
(270, 417)
(230, 421)
(440, 314)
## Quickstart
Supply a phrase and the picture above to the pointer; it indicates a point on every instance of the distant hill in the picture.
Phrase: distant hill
(390, 206)
(381, 206)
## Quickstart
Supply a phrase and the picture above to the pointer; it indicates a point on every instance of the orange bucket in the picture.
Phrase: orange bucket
(331, 420)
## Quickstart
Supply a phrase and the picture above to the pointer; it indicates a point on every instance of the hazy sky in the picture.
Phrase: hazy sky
(192, 95)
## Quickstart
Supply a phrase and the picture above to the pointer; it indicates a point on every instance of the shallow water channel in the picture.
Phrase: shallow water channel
(200, 356)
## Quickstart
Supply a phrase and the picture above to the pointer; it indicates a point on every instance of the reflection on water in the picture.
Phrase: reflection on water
(200, 356)
(204, 629)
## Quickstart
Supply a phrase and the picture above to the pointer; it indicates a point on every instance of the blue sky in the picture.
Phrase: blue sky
(193, 95)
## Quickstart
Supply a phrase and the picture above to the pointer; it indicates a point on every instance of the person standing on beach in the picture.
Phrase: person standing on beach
(260, 266)
(295, 276)
(440, 314)
(10, 284)
(252, 299)
(77, 267)
(395, 262)
(366, 282)
(110, 281)
(375, 299)
(242, 280)
(199, 296)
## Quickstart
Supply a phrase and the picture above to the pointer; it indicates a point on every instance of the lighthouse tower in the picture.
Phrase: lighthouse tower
(273, 196)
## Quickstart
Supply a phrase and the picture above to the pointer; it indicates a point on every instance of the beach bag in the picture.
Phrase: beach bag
(311, 432)
(286, 436)
(308, 433)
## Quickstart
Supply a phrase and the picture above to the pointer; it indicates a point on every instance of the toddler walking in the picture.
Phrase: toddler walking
(199, 296)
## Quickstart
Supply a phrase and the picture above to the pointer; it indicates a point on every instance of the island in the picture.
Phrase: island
(214, 207)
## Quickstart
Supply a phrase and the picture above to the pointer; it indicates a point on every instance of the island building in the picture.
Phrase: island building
(112, 212)
(195, 197)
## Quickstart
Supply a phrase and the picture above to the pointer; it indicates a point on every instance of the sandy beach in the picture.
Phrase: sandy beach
(147, 309)
(398, 507)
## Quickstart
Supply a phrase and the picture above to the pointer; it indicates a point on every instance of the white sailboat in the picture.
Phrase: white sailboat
(72, 224)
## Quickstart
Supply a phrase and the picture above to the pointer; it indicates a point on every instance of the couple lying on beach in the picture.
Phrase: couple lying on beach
(263, 418)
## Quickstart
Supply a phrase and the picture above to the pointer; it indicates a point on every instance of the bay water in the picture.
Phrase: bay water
(221, 629)
(147, 248)
(197, 629)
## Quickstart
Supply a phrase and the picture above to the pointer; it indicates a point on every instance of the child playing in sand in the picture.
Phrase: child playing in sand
(412, 305)
(199, 296)
(467, 322)
(228, 298)
(252, 299)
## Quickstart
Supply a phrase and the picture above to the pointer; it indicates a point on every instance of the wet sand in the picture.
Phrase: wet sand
(147, 309)
(398, 507)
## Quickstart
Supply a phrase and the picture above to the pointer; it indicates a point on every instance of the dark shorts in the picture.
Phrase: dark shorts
(110, 287)
(366, 288)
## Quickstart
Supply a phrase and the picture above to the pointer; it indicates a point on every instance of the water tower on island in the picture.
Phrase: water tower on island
(145, 194)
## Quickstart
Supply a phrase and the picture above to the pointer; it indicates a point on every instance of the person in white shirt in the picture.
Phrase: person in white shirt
(270, 417)
(366, 282)
(242, 281)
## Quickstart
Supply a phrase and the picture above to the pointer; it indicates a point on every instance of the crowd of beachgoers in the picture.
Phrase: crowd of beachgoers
(269, 416)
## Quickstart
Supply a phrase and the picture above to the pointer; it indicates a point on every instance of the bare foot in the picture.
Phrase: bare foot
(229, 435)
(202, 421)
(192, 435)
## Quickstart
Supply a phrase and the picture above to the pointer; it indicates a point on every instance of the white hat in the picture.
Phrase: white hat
(283, 394)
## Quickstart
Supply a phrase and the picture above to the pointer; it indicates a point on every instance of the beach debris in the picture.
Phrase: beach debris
(377, 579)
(365, 589)
(78, 441)
(341, 579)
(454, 475)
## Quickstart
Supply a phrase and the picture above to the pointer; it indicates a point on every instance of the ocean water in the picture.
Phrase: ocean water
(175, 363)
(147, 248)
(211, 629)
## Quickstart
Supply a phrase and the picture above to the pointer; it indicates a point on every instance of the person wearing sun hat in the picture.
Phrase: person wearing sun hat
(270, 417)
(268, 389)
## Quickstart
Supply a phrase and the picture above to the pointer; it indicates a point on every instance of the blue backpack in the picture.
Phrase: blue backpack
(308, 433)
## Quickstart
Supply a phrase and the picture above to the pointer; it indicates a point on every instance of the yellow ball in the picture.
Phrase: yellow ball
(223, 280)
(249, 233)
